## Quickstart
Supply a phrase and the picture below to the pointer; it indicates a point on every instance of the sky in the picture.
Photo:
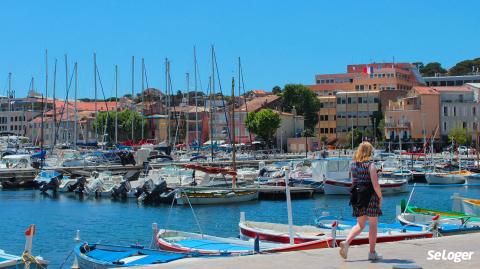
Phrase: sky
(279, 42)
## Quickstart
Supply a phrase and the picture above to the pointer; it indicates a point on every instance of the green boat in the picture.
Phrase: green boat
(442, 214)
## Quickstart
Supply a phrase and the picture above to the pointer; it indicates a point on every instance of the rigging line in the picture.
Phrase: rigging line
(65, 103)
(101, 87)
(223, 99)
(145, 73)
(244, 96)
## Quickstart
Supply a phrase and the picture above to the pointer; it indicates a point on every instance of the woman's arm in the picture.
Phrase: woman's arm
(374, 178)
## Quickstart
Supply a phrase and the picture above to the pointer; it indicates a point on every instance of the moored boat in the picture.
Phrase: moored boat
(441, 178)
(211, 245)
(207, 197)
(471, 206)
(100, 256)
(275, 232)
(388, 186)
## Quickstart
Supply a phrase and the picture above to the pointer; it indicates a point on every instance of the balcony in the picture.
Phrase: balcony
(398, 125)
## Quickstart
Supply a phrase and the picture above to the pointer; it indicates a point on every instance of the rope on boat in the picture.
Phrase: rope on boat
(28, 259)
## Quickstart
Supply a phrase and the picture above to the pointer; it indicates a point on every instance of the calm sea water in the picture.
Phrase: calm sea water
(108, 221)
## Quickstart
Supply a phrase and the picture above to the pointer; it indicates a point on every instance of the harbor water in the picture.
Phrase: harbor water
(108, 221)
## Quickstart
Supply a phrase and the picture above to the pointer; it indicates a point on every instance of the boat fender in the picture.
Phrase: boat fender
(256, 244)
(403, 205)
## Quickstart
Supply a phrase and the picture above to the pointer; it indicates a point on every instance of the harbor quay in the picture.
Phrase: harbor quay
(458, 251)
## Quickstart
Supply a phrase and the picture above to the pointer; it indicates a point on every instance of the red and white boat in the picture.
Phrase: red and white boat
(275, 232)
(186, 242)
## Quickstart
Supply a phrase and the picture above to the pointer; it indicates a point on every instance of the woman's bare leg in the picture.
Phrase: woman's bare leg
(372, 232)
(357, 229)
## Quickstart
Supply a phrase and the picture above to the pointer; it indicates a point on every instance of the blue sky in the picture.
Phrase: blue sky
(279, 41)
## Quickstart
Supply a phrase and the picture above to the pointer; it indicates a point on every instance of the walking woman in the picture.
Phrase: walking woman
(366, 199)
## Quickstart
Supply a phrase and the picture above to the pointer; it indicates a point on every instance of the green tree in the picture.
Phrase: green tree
(357, 137)
(264, 124)
(465, 67)
(430, 69)
(305, 102)
(323, 139)
(381, 130)
(460, 136)
(276, 90)
(105, 124)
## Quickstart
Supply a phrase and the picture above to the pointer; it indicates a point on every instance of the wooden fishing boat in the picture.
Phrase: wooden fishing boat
(100, 256)
(9, 261)
(218, 196)
(388, 186)
(453, 177)
(451, 225)
(471, 206)
(275, 232)
(473, 178)
(449, 222)
(211, 245)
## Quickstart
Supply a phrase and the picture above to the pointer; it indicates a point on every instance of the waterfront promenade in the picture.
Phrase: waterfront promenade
(404, 253)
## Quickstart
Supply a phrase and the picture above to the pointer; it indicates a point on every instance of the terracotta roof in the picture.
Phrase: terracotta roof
(452, 89)
(258, 103)
(424, 90)
(259, 92)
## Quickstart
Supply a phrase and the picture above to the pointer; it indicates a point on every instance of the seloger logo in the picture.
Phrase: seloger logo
(456, 257)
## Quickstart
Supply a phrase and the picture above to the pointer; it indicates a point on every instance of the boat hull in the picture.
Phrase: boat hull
(333, 187)
(279, 237)
(471, 207)
(198, 198)
(444, 179)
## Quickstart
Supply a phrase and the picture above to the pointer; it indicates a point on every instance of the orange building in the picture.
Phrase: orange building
(415, 116)
(368, 77)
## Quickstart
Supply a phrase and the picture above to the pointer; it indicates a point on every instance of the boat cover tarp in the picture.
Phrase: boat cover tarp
(160, 258)
(110, 256)
(212, 245)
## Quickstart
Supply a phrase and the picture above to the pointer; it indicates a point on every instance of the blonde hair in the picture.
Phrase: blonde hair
(363, 153)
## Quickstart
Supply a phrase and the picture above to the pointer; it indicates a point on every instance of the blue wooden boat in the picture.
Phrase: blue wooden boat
(100, 256)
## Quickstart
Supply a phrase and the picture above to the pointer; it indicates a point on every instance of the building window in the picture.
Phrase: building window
(464, 125)
(474, 111)
(445, 111)
(454, 111)
(445, 126)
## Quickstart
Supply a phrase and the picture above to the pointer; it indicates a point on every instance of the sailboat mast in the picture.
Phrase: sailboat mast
(143, 96)
(234, 165)
(167, 90)
(44, 107)
(67, 134)
(95, 96)
(196, 96)
(187, 114)
(75, 108)
(211, 120)
(54, 130)
(116, 104)
(212, 98)
(133, 92)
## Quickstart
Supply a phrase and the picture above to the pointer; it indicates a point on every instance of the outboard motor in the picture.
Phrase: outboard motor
(122, 190)
(79, 185)
(52, 185)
